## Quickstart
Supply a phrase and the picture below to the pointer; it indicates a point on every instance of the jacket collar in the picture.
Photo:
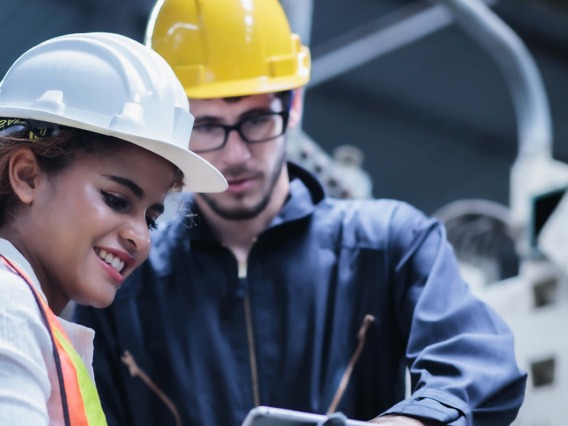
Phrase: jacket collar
(306, 192)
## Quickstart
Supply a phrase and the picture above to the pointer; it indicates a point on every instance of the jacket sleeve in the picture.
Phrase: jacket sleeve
(459, 352)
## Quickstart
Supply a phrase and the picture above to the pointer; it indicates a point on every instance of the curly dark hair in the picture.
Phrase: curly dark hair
(54, 154)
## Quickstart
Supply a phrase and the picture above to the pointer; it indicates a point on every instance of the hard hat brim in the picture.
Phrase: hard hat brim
(255, 86)
(199, 174)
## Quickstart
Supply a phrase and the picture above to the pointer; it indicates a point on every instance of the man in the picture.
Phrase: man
(256, 296)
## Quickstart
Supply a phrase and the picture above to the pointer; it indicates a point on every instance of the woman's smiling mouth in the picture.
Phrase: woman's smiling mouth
(111, 259)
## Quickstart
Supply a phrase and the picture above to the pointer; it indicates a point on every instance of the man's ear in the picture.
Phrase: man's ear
(24, 174)
(296, 108)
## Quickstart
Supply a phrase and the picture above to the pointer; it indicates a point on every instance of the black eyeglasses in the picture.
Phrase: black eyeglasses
(254, 129)
(35, 129)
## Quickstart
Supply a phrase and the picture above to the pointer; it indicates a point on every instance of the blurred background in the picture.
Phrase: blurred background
(404, 104)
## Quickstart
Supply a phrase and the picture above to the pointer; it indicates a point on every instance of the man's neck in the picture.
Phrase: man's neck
(240, 235)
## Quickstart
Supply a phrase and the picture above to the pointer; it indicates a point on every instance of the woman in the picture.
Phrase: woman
(93, 137)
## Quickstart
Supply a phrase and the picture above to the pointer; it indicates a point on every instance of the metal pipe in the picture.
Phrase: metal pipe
(412, 23)
(519, 69)
(384, 35)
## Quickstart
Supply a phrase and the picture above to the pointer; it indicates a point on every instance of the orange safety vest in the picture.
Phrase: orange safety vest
(81, 403)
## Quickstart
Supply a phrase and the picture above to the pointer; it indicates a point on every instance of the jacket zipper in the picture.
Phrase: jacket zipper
(250, 335)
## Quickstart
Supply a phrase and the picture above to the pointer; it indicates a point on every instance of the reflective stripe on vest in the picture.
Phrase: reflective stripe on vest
(80, 400)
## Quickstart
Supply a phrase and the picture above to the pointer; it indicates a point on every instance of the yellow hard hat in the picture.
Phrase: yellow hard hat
(224, 48)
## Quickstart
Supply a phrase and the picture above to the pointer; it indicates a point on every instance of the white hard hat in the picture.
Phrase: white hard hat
(112, 85)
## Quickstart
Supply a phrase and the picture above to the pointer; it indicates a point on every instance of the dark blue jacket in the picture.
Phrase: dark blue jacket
(211, 340)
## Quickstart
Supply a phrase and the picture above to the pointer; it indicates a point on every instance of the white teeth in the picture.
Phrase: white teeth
(113, 261)
(117, 264)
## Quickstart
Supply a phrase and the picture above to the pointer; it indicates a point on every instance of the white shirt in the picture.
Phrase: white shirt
(29, 387)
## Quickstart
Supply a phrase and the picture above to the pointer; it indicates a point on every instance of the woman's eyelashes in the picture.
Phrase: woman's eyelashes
(151, 222)
(121, 205)
(115, 202)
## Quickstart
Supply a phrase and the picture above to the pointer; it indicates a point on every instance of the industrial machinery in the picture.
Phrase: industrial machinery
(515, 257)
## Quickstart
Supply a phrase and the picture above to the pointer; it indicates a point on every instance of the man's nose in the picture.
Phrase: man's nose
(236, 149)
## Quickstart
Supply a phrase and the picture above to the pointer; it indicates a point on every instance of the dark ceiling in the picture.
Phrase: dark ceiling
(434, 119)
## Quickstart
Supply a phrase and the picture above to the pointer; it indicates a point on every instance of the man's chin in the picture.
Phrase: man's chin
(239, 212)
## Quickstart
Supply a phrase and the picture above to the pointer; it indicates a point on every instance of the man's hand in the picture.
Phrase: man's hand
(402, 421)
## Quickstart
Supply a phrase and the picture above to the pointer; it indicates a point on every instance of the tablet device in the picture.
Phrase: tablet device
(270, 416)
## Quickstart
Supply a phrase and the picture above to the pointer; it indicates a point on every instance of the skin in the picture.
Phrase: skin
(99, 202)
(256, 173)
(258, 184)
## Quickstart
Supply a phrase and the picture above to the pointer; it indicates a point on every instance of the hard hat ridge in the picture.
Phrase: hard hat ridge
(112, 85)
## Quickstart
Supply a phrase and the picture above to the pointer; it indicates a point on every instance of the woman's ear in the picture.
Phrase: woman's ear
(24, 173)
(296, 108)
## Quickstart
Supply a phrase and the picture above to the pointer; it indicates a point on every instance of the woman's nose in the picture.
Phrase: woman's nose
(137, 235)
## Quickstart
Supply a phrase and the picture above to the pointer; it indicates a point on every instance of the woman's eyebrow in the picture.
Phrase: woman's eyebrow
(136, 190)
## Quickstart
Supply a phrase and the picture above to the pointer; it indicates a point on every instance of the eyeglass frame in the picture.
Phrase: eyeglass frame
(228, 128)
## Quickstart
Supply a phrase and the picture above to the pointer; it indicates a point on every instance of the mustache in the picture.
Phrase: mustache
(237, 170)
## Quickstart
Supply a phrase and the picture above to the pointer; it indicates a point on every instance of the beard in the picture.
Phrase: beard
(245, 213)
(239, 213)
